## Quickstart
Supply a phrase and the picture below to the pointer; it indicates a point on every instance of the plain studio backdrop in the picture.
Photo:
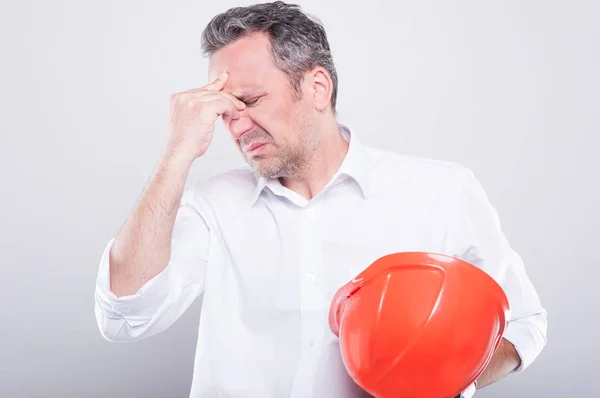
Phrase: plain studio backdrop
(509, 89)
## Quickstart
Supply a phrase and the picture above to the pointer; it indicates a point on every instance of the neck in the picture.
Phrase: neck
(326, 161)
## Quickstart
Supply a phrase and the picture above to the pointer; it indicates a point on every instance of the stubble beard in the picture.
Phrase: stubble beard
(291, 161)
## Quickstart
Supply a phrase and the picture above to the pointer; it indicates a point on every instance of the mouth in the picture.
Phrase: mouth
(255, 146)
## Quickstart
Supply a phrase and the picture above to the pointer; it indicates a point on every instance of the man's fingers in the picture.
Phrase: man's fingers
(230, 109)
(218, 83)
(240, 105)
(215, 85)
(207, 97)
(221, 106)
(211, 98)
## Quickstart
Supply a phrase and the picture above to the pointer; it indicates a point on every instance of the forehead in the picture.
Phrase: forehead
(248, 61)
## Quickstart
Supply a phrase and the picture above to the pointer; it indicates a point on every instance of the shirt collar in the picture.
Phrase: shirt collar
(355, 166)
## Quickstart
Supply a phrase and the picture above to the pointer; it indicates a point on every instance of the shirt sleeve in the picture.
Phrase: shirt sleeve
(469, 392)
(477, 237)
(164, 298)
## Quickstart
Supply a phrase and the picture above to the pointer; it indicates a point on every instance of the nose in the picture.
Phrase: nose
(238, 126)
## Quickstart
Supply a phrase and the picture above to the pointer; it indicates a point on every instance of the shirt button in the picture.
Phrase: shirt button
(310, 342)
(310, 278)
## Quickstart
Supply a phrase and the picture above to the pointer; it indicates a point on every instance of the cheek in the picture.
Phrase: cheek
(271, 116)
(282, 117)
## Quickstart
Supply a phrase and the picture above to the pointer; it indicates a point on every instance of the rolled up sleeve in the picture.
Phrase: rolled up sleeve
(477, 237)
(527, 328)
(165, 297)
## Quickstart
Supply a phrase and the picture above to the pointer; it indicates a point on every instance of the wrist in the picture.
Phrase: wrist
(173, 158)
(173, 169)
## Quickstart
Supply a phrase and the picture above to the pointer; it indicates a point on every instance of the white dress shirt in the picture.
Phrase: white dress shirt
(267, 263)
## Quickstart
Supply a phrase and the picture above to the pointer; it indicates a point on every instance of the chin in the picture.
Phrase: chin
(266, 166)
(265, 171)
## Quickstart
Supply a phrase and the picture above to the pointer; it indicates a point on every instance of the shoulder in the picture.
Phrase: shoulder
(235, 181)
(229, 188)
(389, 169)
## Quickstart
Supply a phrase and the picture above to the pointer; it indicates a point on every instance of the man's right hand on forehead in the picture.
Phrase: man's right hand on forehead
(193, 115)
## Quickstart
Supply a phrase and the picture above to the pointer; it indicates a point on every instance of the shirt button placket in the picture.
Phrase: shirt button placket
(309, 263)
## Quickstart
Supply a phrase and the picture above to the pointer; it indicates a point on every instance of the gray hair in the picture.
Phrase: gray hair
(298, 40)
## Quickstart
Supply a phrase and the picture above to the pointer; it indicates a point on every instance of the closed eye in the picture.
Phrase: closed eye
(251, 102)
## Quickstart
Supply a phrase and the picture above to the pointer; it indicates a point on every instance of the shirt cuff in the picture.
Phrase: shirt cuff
(527, 339)
(136, 308)
(469, 392)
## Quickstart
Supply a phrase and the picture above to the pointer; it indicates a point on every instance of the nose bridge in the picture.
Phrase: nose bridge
(238, 126)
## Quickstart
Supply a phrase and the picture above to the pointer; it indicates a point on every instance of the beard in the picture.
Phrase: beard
(290, 160)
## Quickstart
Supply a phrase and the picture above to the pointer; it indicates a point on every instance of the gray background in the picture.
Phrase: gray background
(510, 89)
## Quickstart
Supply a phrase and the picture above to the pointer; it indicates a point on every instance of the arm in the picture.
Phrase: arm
(504, 361)
(145, 285)
(142, 248)
(476, 236)
(153, 270)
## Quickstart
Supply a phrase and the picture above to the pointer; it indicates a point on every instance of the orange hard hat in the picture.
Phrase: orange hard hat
(418, 325)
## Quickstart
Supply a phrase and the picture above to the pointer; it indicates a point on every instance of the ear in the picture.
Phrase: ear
(322, 86)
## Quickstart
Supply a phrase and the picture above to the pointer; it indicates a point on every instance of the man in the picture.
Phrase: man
(268, 244)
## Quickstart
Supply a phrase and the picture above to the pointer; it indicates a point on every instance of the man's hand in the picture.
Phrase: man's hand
(193, 116)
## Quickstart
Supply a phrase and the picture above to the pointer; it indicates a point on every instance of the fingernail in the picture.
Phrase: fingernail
(223, 76)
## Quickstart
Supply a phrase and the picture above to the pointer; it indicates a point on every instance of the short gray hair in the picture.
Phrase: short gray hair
(298, 40)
